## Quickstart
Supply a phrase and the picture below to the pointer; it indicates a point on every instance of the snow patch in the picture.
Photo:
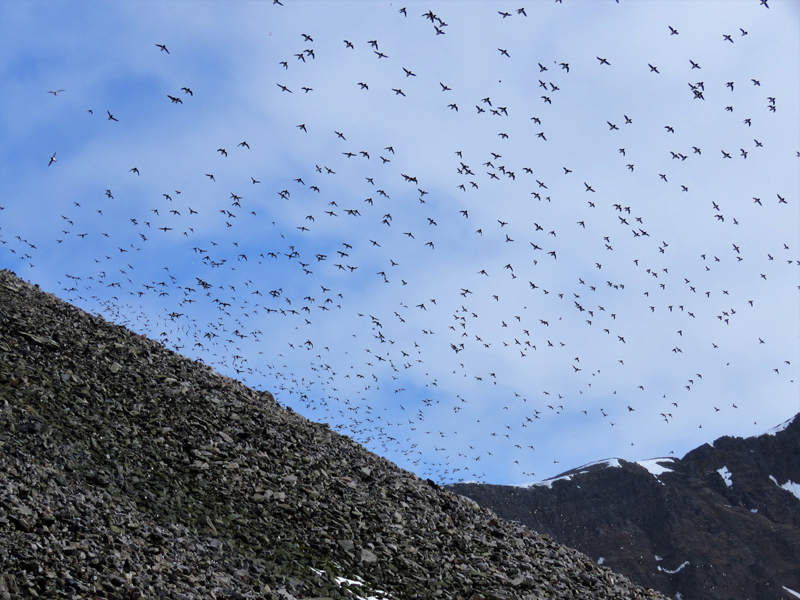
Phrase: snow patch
(341, 580)
(792, 592)
(683, 564)
(781, 427)
(547, 482)
(790, 486)
(726, 475)
(654, 467)
(753, 510)
(607, 462)
(601, 560)
(355, 583)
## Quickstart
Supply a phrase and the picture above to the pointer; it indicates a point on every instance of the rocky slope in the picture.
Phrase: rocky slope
(128, 471)
(723, 522)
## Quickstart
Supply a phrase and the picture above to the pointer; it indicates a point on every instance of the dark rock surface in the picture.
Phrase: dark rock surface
(128, 471)
(686, 531)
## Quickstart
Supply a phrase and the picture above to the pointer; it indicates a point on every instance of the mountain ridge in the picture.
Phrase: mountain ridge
(721, 522)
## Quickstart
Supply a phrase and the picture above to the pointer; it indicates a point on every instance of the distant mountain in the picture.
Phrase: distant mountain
(128, 471)
(723, 522)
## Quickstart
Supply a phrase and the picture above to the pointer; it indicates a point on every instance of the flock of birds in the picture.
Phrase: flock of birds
(433, 290)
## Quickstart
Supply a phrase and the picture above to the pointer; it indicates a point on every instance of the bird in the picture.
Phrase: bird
(163, 48)
(397, 348)
(52, 159)
(55, 92)
(111, 117)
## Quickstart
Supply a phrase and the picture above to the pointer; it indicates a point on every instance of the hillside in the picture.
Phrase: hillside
(723, 522)
(128, 471)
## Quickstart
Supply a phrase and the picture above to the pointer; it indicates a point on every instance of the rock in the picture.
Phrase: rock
(367, 556)
(285, 594)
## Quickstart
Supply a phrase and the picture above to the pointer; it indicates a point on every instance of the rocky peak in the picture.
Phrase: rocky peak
(723, 522)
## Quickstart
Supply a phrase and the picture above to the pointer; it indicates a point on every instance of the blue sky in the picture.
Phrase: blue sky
(580, 282)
